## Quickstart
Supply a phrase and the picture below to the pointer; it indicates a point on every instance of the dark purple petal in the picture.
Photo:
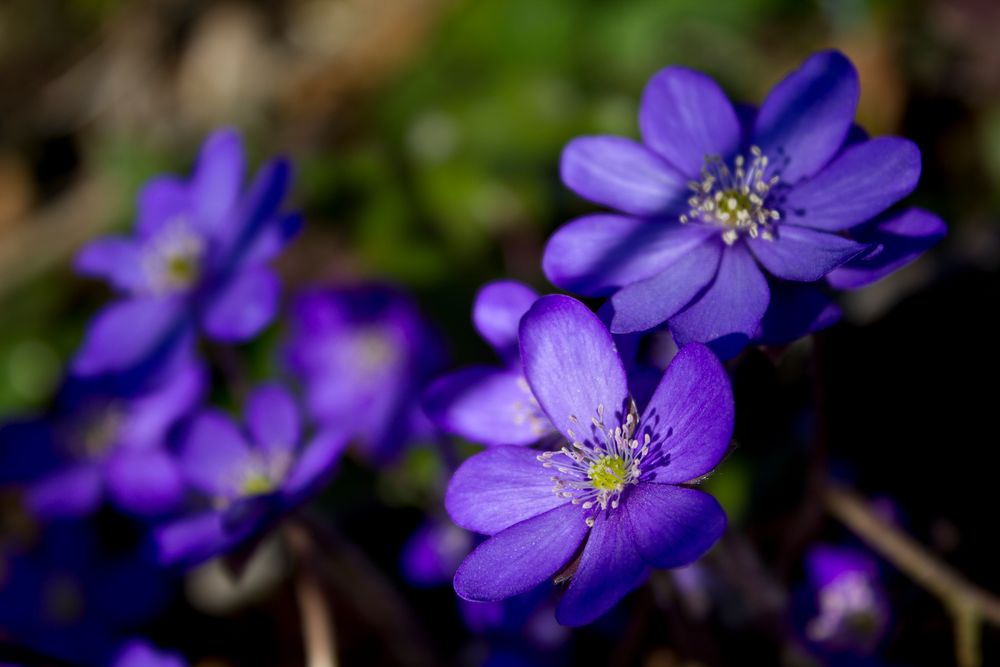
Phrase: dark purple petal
(624, 175)
(825, 564)
(571, 364)
(898, 239)
(731, 307)
(648, 303)
(521, 557)
(274, 236)
(137, 653)
(486, 405)
(596, 254)
(272, 416)
(115, 343)
(609, 568)
(70, 492)
(115, 259)
(317, 462)
(806, 117)
(254, 217)
(860, 183)
(162, 200)
(689, 417)
(673, 526)
(151, 414)
(218, 177)
(796, 310)
(497, 312)
(805, 255)
(243, 306)
(685, 117)
(498, 488)
(193, 539)
(214, 455)
(144, 482)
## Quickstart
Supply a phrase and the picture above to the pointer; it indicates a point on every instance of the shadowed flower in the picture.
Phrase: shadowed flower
(613, 501)
(363, 355)
(198, 260)
(433, 552)
(721, 208)
(249, 478)
(101, 440)
(139, 653)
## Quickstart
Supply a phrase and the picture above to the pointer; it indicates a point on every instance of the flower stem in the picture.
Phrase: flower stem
(968, 604)
(318, 636)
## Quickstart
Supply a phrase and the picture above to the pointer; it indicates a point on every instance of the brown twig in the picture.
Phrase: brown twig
(315, 615)
(969, 605)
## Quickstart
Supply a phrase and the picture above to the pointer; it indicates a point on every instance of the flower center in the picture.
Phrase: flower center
(173, 259)
(734, 199)
(256, 483)
(593, 472)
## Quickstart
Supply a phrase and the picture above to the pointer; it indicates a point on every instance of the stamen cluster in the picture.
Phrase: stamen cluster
(172, 261)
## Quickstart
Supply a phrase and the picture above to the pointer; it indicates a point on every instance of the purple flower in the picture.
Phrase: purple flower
(139, 653)
(720, 206)
(248, 478)
(618, 488)
(364, 354)
(198, 261)
(434, 551)
(851, 613)
(492, 405)
(101, 440)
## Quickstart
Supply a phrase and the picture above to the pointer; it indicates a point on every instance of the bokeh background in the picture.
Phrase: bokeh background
(426, 136)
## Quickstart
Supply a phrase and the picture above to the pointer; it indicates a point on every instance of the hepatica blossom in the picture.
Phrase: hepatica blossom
(614, 500)
(719, 207)
(364, 354)
(248, 478)
(198, 260)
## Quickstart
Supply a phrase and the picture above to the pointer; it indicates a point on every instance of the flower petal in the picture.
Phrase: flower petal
(245, 227)
(192, 540)
(162, 200)
(596, 254)
(486, 405)
(218, 178)
(498, 488)
(729, 311)
(317, 462)
(115, 259)
(272, 417)
(521, 557)
(277, 233)
(796, 310)
(145, 482)
(673, 526)
(214, 454)
(685, 117)
(648, 303)
(689, 418)
(571, 364)
(806, 117)
(860, 183)
(70, 492)
(609, 568)
(899, 238)
(802, 254)
(497, 312)
(242, 306)
(624, 175)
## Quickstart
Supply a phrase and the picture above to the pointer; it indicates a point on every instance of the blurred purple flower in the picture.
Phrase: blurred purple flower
(139, 653)
(101, 439)
(434, 551)
(198, 261)
(851, 613)
(617, 489)
(715, 194)
(363, 355)
(492, 405)
(249, 478)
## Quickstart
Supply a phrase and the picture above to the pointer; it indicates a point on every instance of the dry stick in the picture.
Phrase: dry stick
(968, 604)
(315, 615)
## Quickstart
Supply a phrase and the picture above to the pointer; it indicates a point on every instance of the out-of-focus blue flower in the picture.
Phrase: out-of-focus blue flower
(249, 478)
(721, 208)
(492, 405)
(364, 354)
(69, 598)
(616, 487)
(101, 440)
(139, 653)
(434, 551)
(849, 612)
(198, 260)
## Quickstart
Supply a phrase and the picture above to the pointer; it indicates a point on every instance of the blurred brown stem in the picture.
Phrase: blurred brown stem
(315, 615)
(968, 604)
